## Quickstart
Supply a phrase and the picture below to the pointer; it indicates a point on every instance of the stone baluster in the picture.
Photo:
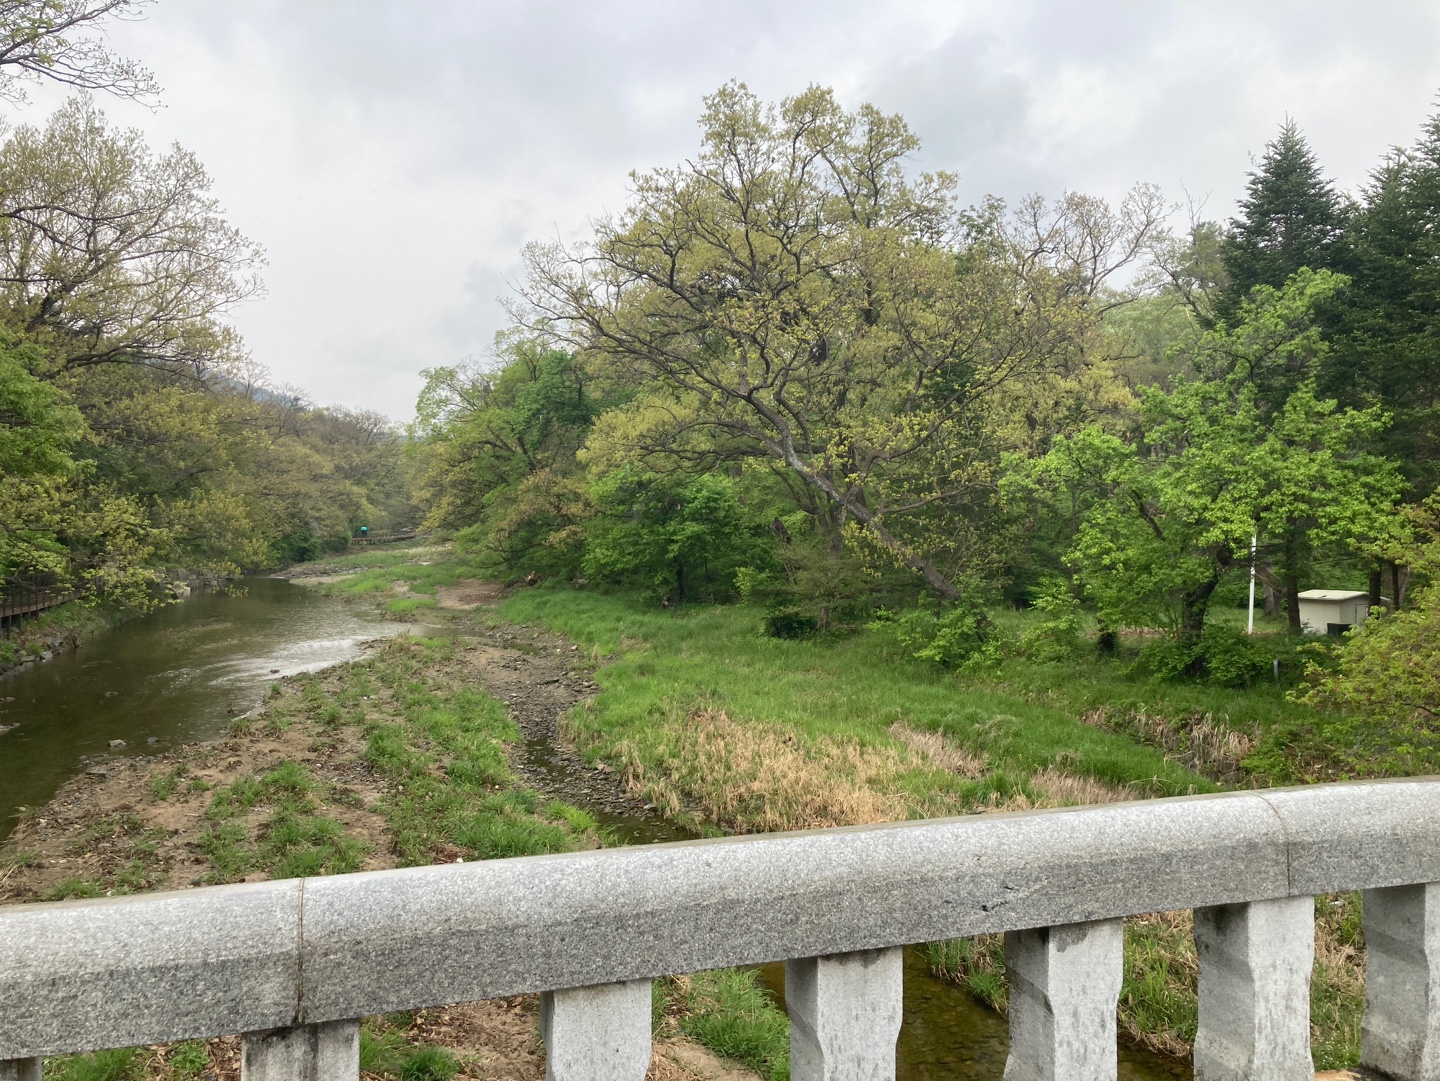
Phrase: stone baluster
(323, 1052)
(20, 1069)
(599, 1033)
(845, 1012)
(1064, 986)
(1400, 1034)
(1255, 962)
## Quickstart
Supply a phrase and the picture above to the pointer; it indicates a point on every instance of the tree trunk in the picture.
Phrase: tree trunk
(1291, 579)
(1376, 576)
(914, 561)
(1193, 607)
(1270, 585)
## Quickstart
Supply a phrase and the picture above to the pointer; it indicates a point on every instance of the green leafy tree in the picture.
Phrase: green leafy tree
(685, 538)
(1164, 519)
(798, 297)
(498, 459)
(1385, 682)
(111, 254)
(39, 426)
(1387, 340)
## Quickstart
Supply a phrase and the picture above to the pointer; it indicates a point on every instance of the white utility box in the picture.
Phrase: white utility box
(1332, 611)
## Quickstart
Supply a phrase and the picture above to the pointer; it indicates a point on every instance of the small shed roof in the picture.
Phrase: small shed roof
(1333, 595)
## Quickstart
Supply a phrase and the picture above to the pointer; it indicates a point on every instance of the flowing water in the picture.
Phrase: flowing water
(180, 675)
(175, 676)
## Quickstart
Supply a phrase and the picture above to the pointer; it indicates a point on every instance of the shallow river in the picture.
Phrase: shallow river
(175, 676)
(181, 674)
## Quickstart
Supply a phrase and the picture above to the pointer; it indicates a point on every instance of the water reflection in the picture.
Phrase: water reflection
(175, 676)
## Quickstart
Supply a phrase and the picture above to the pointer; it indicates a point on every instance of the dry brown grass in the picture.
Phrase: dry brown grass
(1198, 741)
(752, 778)
(1062, 789)
(945, 754)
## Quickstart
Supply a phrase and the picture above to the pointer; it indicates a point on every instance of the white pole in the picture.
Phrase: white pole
(1254, 542)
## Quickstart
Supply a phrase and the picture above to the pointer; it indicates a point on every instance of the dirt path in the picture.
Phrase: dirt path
(541, 676)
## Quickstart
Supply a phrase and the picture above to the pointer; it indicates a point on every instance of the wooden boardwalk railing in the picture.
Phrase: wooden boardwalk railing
(34, 600)
(386, 537)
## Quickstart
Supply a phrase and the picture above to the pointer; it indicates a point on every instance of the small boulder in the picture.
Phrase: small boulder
(116, 744)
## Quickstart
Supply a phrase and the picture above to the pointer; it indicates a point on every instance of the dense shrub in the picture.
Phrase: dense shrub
(950, 636)
(1226, 657)
(684, 538)
(1057, 637)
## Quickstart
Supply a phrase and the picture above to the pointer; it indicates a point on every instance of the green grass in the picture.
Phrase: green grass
(374, 575)
(1092, 718)
(728, 1012)
(385, 1049)
(669, 665)
(292, 840)
(74, 888)
(443, 751)
(406, 605)
(121, 1064)
(164, 784)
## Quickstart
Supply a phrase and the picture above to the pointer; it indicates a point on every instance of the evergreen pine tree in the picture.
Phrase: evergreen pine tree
(1291, 217)
(1387, 341)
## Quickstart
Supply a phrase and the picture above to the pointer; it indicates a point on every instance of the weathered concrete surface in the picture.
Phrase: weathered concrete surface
(1064, 985)
(20, 1069)
(1359, 836)
(1255, 963)
(1400, 1033)
(597, 1033)
(516, 926)
(328, 1052)
(845, 1014)
(84, 975)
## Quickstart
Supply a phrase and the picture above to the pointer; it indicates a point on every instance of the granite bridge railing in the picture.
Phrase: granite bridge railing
(294, 965)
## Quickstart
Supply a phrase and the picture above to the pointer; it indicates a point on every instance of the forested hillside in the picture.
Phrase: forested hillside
(136, 433)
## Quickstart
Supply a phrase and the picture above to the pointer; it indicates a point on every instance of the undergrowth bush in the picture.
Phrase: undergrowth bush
(1057, 637)
(1227, 657)
(950, 637)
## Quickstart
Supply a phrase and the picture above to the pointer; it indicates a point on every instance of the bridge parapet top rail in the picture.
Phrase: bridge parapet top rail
(294, 964)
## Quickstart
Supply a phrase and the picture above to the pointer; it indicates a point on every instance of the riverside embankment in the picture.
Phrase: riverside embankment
(421, 749)
(448, 745)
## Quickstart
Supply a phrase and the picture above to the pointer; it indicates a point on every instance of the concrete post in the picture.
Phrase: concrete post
(324, 1052)
(1255, 963)
(20, 1069)
(845, 1014)
(597, 1033)
(1400, 1034)
(1064, 985)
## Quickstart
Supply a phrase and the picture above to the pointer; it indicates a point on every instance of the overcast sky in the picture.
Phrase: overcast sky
(392, 156)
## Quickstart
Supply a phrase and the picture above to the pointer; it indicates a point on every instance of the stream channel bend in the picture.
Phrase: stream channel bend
(180, 674)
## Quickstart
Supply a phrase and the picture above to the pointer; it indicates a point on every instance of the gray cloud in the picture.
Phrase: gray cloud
(393, 157)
